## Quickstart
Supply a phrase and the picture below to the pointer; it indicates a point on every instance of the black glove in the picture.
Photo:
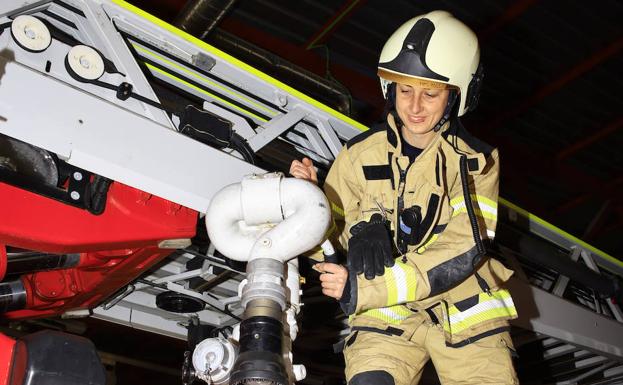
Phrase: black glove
(370, 247)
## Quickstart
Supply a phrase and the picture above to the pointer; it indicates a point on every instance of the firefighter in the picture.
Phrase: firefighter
(415, 203)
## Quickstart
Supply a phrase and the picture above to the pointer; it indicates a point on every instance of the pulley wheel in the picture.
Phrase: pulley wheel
(30, 33)
(178, 303)
(84, 63)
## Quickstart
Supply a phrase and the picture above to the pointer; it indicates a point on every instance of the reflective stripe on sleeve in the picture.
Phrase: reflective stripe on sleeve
(337, 210)
(486, 208)
(401, 283)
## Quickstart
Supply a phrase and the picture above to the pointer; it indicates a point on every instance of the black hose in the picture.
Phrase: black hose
(240, 144)
(473, 221)
(12, 296)
(32, 262)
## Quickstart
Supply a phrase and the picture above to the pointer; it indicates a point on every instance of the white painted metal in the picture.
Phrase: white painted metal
(562, 281)
(105, 36)
(553, 316)
(100, 137)
(277, 126)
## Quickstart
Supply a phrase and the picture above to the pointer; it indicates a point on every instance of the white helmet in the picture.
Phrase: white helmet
(434, 50)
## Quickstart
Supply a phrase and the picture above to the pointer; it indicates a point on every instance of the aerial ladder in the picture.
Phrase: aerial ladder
(118, 130)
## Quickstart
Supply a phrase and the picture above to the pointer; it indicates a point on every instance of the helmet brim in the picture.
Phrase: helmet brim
(413, 81)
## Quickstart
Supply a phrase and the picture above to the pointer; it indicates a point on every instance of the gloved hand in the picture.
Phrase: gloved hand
(370, 247)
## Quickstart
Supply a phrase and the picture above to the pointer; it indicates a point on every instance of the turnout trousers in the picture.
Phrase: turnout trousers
(374, 358)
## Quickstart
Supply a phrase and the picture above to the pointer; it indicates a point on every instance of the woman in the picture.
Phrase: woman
(418, 199)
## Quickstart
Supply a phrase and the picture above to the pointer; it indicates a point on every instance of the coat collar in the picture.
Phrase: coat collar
(427, 164)
(395, 144)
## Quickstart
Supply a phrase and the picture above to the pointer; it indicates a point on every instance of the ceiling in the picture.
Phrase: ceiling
(551, 99)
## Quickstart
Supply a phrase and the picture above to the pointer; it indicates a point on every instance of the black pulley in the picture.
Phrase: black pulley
(178, 303)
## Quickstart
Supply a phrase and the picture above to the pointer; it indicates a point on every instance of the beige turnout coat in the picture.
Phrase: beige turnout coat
(443, 272)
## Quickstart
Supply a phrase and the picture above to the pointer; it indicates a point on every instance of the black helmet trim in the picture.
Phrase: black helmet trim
(473, 89)
(412, 57)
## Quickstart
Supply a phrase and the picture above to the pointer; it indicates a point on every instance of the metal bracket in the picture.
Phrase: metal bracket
(276, 127)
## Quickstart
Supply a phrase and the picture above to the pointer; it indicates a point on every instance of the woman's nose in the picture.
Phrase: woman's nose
(416, 102)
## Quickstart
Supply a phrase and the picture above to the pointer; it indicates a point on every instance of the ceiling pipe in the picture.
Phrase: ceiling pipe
(200, 18)
(333, 23)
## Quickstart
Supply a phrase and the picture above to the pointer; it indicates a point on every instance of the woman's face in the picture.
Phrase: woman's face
(419, 109)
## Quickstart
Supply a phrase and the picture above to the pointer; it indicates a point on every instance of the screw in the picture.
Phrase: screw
(30, 33)
(75, 195)
(77, 175)
(256, 336)
(84, 62)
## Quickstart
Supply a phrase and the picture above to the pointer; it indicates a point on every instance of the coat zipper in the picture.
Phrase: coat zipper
(400, 206)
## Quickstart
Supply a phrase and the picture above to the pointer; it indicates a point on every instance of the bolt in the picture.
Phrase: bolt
(75, 195)
(77, 175)
(84, 62)
(283, 101)
(30, 33)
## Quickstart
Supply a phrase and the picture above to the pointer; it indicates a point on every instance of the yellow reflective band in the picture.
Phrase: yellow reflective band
(187, 84)
(487, 207)
(477, 211)
(487, 315)
(390, 284)
(498, 295)
(497, 305)
(241, 65)
(392, 314)
(480, 198)
(332, 229)
(204, 79)
(400, 282)
(432, 239)
(337, 210)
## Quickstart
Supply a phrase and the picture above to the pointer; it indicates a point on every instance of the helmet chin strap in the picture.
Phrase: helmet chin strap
(448, 111)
